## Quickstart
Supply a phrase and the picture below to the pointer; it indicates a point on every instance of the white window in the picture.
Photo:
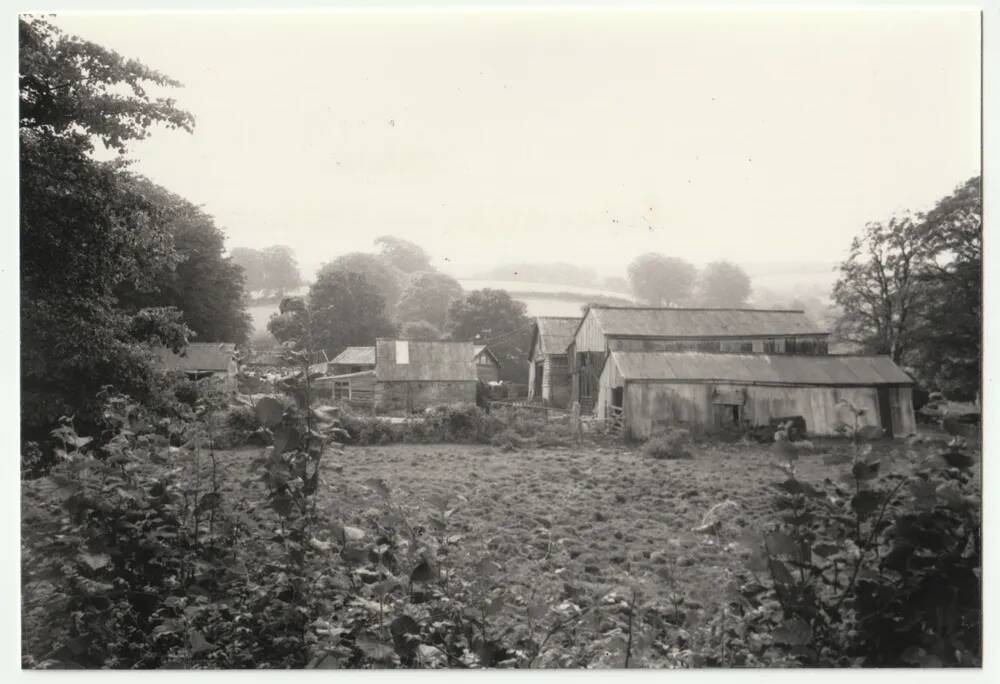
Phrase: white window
(402, 352)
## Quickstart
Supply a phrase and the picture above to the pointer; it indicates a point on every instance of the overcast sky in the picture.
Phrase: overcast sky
(587, 138)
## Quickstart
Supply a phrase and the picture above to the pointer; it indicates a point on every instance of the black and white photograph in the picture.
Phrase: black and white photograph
(539, 336)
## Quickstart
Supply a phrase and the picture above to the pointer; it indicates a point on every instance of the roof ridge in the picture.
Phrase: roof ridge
(694, 308)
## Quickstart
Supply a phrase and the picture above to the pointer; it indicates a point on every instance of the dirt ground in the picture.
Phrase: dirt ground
(595, 515)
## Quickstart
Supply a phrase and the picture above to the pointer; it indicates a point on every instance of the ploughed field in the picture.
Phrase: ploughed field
(565, 524)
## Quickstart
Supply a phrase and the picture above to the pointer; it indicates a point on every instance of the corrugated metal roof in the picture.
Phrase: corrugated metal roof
(355, 356)
(556, 333)
(428, 361)
(198, 356)
(667, 322)
(760, 368)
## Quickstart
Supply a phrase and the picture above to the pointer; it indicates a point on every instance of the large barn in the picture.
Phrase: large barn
(548, 369)
(604, 329)
(412, 375)
(712, 391)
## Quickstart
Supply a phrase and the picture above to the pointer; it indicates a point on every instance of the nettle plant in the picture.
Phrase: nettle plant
(878, 568)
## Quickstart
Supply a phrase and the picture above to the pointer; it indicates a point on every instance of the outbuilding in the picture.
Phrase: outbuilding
(412, 375)
(548, 368)
(649, 391)
(353, 360)
(487, 364)
(202, 360)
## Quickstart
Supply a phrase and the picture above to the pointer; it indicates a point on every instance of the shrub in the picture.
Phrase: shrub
(673, 444)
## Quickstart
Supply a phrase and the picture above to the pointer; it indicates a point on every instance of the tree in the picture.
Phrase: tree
(204, 284)
(420, 330)
(723, 284)
(879, 288)
(427, 298)
(403, 255)
(948, 345)
(384, 277)
(345, 310)
(272, 270)
(660, 280)
(492, 317)
(85, 231)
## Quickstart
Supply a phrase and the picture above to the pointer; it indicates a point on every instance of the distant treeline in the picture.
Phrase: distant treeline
(557, 274)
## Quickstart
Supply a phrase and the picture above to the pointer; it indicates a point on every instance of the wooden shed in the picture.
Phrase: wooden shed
(548, 367)
(202, 360)
(353, 360)
(412, 375)
(604, 329)
(487, 364)
(653, 390)
(355, 387)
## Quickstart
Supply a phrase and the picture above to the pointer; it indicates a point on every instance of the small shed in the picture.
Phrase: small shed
(356, 387)
(548, 368)
(412, 375)
(202, 360)
(353, 360)
(713, 391)
(487, 364)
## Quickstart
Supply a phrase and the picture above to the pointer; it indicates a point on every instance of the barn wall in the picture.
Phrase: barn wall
(531, 378)
(589, 336)
(651, 406)
(610, 377)
(904, 421)
(556, 381)
(418, 395)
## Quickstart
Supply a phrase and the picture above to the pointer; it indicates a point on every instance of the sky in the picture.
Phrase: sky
(589, 137)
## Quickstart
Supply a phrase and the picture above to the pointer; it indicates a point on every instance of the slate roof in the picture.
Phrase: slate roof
(555, 333)
(762, 369)
(689, 323)
(198, 356)
(429, 361)
(355, 356)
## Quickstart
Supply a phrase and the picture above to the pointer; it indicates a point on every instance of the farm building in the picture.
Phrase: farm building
(358, 387)
(651, 390)
(202, 360)
(548, 368)
(412, 375)
(275, 358)
(487, 364)
(353, 360)
(606, 329)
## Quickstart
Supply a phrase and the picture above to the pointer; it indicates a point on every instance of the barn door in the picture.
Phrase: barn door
(885, 411)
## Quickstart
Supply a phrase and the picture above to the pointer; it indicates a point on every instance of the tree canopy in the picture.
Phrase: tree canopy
(404, 255)
(492, 317)
(661, 280)
(723, 284)
(384, 277)
(345, 309)
(86, 231)
(272, 270)
(420, 330)
(427, 298)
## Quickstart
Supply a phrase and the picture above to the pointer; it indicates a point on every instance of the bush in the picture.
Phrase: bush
(673, 444)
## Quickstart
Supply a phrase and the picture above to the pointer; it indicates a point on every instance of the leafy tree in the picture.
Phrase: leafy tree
(204, 284)
(420, 330)
(948, 347)
(85, 231)
(879, 290)
(272, 269)
(723, 284)
(404, 255)
(345, 309)
(427, 298)
(492, 317)
(661, 280)
(384, 277)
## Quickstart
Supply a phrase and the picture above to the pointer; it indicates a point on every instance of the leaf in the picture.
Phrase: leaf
(781, 574)
(825, 550)
(379, 485)
(495, 605)
(793, 632)
(865, 471)
(283, 439)
(537, 611)
(430, 656)
(869, 432)
(319, 545)
(95, 561)
(268, 411)
(353, 533)
(207, 502)
(403, 625)
(354, 554)
(376, 650)
(422, 573)
(956, 459)
(199, 644)
(780, 544)
(486, 568)
(915, 655)
(865, 503)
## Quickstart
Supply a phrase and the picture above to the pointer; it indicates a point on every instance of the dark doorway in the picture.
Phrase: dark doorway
(885, 410)
(539, 372)
(617, 396)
